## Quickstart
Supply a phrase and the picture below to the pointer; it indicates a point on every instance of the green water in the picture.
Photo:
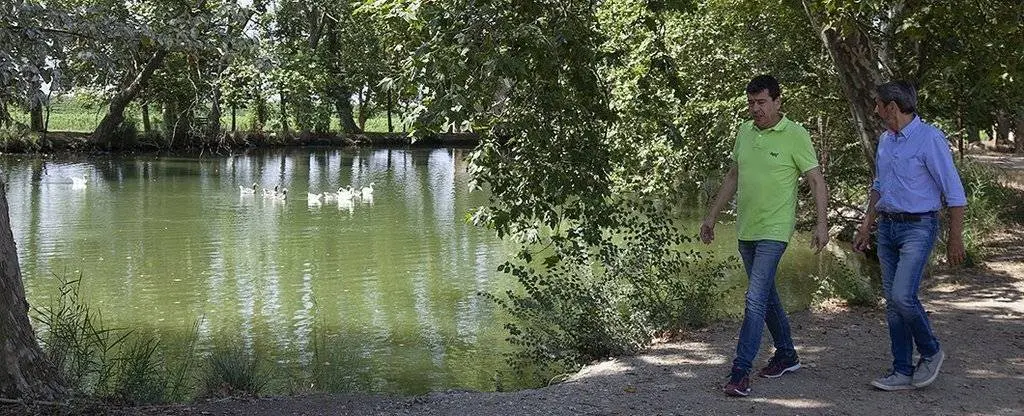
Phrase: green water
(382, 294)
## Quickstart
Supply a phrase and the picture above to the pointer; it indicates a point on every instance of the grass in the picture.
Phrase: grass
(81, 114)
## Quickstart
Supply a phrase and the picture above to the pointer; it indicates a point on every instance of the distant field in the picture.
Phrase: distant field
(79, 116)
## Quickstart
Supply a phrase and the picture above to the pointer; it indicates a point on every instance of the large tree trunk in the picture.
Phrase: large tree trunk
(115, 114)
(364, 109)
(25, 373)
(1018, 132)
(36, 116)
(344, 107)
(146, 126)
(1002, 129)
(857, 63)
(391, 127)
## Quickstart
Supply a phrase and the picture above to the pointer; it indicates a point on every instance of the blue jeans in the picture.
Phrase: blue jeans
(903, 250)
(761, 259)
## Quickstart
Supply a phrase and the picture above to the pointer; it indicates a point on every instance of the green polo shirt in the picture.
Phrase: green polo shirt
(769, 163)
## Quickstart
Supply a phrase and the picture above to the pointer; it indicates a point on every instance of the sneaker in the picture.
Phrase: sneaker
(777, 366)
(738, 385)
(928, 369)
(894, 381)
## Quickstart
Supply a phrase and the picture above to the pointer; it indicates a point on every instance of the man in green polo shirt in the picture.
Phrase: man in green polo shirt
(770, 154)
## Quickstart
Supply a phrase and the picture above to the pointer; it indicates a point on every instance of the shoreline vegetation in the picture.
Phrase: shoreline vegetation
(79, 142)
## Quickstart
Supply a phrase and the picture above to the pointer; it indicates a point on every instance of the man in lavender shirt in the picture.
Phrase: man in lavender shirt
(914, 175)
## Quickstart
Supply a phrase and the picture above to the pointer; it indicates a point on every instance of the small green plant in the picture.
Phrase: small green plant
(234, 372)
(73, 337)
(838, 280)
(104, 363)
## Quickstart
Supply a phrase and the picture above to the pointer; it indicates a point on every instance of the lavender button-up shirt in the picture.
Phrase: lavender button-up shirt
(914, 170)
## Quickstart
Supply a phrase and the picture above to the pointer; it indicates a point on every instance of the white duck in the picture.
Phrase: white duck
(314, 197)
(345, 194)
(267, 192)
(281, 196)
(79, 181)
(331, 196)
(248, 191)
(367, 191)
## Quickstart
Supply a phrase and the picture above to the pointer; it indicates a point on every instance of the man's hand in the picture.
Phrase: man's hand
(707, 230)
(955, 250)
(862, 240)
(820, 238)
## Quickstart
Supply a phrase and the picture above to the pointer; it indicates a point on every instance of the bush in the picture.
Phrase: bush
(986, 201)
(838, 280)
(583, 302)
(233, 372)
(111, 364)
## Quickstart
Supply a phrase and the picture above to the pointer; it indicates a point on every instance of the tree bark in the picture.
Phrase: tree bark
(1001, 129)
(1018, 132)
(284, 114)
(115, 113)
(36, 116)
(213, 119)
(25, 372)
(391, 127)
(364, 103)
(344, 107)
(857, 63)
(146, 126)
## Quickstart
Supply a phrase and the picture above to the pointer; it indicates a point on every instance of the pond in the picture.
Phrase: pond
(382, 291)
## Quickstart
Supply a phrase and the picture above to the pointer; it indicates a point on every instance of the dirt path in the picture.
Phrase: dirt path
(977, 314)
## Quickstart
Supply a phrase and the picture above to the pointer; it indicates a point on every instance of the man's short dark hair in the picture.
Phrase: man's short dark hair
(902, 93)
(765, 82)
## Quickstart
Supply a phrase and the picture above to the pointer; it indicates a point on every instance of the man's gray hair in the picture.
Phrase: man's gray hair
(902, 93)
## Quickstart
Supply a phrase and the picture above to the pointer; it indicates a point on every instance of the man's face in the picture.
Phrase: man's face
(763, 108)
(884, 110)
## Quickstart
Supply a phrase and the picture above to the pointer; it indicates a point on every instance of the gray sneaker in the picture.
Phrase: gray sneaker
(928, 369)
(894, 381)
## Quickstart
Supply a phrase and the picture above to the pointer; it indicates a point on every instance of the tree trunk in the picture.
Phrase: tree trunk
(391, 127)
(213, 119)
(284, 114)
(36, 116)
(364, 103)
(146, 126)
(176, 122)
(115, 114)
(1002, 129)
(25, 372)
(857, 63)
(344, 107)
(1018, 132)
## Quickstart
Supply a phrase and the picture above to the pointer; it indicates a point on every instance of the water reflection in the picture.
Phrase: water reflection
(164, 242)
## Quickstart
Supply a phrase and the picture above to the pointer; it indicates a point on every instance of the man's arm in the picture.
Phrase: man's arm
(862, 241)
(725, 194)
(955, 246)
(820, 190)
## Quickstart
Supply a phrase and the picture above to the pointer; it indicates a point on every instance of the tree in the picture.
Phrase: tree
(25, 372)
(30, 39)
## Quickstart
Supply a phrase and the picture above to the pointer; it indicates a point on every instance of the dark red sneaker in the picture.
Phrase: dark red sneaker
(777, 366)
(738, 385)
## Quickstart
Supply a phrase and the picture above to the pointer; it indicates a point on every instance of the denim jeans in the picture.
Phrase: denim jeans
(903, 250)
(761, 259)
